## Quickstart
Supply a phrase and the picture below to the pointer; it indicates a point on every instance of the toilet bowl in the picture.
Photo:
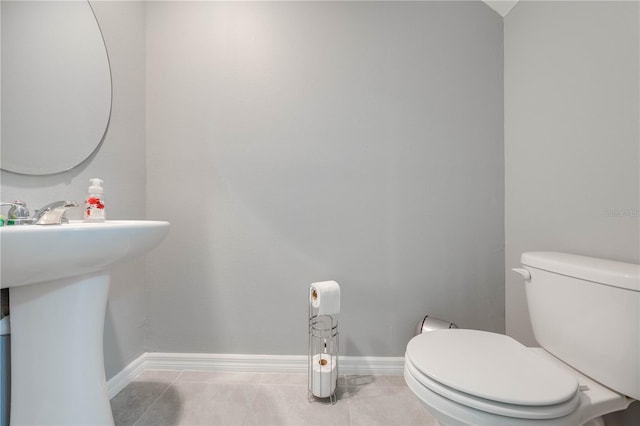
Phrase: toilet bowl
(470, 377)
(584, 312)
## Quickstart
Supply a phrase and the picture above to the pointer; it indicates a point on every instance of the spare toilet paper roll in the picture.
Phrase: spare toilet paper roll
(325, 297)
(325, 375)
(429, 323)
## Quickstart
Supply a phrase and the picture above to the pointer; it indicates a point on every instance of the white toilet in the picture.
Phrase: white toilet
(585, 314)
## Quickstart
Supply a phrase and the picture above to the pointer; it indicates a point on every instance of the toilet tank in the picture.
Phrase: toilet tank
(586, 312)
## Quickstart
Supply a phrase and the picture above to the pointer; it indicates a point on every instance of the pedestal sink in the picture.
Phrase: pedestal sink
(58, 279)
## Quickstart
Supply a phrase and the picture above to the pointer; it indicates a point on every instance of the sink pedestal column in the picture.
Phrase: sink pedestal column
(57, 360)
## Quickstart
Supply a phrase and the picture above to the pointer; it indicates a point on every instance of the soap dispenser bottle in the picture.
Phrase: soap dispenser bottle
(94, 205)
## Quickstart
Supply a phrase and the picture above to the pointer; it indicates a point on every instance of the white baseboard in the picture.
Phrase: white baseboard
(350, 365)
(125, 376)
(370, 365)
(227, 362)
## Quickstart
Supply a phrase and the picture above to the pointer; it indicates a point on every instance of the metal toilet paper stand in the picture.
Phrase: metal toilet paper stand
(323, 356)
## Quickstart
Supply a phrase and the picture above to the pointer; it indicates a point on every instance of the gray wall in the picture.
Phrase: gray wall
(121, 162)
(572, 150)
(303, 141)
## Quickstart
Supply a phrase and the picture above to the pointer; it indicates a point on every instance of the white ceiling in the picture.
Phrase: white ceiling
(501, 6)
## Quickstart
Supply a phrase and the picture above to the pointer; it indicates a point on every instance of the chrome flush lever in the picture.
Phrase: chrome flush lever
(525, 274)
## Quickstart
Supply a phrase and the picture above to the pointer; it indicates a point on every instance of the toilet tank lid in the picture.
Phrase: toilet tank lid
(609, 272)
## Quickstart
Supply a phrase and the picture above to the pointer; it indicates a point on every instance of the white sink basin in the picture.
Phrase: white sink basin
(58, 279)
(34, 253)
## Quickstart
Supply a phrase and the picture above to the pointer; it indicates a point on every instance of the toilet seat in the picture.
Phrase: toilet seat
(539, 412)
(492, 373)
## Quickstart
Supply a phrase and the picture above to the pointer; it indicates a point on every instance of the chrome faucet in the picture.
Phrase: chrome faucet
(18, 213)
(53, 213)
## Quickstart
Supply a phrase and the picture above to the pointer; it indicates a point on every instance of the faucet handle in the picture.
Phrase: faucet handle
(18, 213)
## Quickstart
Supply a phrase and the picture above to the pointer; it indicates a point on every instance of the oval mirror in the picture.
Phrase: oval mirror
(56, 85)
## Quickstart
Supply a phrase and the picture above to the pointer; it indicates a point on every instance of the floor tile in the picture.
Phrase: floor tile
(300, 379)
(196, 403)
(386, 405)
(160, 376)
(370, 380)
(220, 377)
(166, 397)
(289, 405)
(134, 400)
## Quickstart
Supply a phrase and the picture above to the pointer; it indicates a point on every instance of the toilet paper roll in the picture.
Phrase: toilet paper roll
(325, 375)
(325, 297)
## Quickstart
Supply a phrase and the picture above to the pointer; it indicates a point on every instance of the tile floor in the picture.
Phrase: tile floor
(167, 397)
